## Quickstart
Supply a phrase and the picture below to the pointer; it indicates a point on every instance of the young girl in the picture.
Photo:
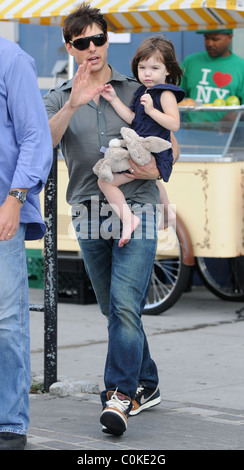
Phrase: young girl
(154, 111)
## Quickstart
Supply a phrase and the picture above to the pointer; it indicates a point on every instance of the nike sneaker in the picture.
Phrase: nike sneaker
(145, 398)
(114, 417)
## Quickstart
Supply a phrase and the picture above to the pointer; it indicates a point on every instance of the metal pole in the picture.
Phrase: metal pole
(50, 278)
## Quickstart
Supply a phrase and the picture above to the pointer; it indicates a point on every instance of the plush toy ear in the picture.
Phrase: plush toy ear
(128, 133)
(103, 169)
(156, 144)
(97, 166)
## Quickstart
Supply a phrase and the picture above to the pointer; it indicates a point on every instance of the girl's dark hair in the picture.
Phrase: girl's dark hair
(82, 17)
(165, 52)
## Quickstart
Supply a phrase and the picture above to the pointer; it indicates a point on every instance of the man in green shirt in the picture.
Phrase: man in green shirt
(214, 73)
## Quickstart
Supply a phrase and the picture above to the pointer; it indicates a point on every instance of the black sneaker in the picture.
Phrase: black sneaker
(145, 398)
(114, 417)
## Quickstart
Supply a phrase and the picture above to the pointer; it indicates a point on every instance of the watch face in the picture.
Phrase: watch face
(20, 195)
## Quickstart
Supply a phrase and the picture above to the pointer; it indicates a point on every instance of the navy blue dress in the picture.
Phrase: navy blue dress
(145, 126)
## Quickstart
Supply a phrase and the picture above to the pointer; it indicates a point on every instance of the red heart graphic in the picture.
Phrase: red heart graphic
(221, 79)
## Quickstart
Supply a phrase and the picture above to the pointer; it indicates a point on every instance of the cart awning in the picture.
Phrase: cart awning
(134, 16)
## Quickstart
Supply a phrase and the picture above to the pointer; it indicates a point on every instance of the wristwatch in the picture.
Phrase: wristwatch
(20, 195)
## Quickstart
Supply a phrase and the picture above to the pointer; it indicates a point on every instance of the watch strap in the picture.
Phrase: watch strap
(20, 195)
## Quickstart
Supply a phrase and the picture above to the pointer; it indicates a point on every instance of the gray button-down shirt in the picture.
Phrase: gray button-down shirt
(90, 129)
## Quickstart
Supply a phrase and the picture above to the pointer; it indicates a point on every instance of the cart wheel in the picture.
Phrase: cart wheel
(224, 277)
(169, 280)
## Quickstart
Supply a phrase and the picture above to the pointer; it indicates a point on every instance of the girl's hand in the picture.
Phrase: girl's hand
(147, 102)
(108, 93)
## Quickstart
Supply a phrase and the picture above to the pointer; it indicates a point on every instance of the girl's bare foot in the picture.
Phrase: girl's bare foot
(166, 219)
(128, 228)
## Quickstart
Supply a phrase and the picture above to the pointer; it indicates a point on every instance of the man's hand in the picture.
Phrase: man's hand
(82, 92)
(9, 218)
(145, 172)
(150, 170)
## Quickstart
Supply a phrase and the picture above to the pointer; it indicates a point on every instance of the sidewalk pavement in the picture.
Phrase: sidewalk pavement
(198, 346)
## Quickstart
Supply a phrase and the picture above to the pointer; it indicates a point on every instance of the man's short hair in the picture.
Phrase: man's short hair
(79, 19)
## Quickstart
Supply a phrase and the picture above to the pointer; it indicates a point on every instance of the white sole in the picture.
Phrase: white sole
(145, 406)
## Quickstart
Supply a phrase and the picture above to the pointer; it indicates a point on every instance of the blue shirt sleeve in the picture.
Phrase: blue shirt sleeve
(29, 118)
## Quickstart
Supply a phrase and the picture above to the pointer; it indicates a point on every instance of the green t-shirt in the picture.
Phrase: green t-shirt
(206, 78)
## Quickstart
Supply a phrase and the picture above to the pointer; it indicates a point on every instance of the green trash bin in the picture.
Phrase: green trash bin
(35, 268)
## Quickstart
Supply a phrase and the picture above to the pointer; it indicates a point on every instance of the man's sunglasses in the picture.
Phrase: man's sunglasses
(83, 43)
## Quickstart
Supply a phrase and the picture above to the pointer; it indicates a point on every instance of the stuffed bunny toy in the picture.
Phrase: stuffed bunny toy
(117, 155)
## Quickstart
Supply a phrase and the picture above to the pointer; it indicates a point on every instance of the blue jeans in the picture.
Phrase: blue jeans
(14, 335)
(121, 279)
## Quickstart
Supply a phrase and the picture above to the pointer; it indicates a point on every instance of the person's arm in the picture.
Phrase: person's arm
(28, 118)
(175, 148)
(150, 170)
(81, 94)
(9, 216)
(120, 108)
(60, 121)
(170, 117)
